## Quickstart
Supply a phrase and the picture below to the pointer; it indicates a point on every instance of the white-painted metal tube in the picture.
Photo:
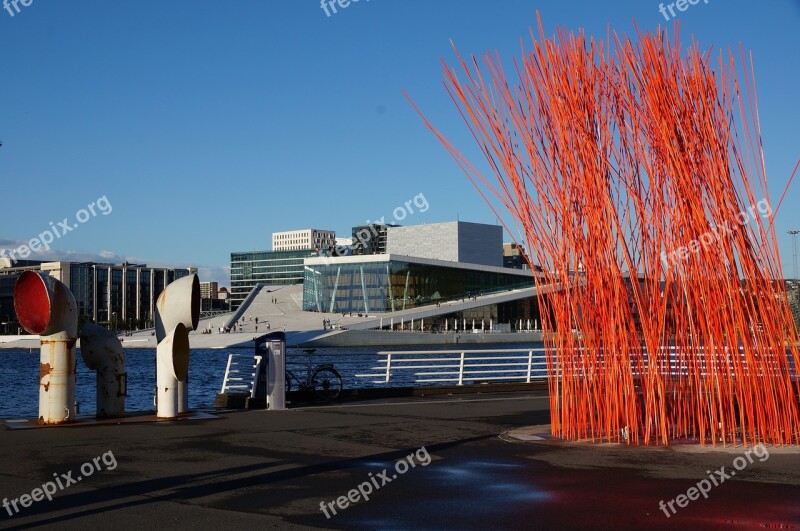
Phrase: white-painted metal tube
(102, 352)
(45, 306)
(172, 364)
(57, 379)
(183, 394)
(179, 303)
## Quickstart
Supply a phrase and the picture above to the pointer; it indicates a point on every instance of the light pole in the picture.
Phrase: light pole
(794, 233)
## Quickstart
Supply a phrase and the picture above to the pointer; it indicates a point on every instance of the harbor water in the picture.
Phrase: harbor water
(19, 385)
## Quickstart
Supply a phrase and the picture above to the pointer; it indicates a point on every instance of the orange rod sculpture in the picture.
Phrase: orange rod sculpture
(636, 175)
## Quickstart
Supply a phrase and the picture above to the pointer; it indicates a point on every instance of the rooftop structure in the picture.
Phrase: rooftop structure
(455, 241)
(514, 256)
(371, 238)
(298, 240)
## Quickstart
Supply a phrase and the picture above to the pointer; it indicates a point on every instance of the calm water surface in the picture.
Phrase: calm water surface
(19, 373)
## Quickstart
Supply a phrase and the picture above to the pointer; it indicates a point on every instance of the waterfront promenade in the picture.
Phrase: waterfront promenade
(272, 469)
(280, 308)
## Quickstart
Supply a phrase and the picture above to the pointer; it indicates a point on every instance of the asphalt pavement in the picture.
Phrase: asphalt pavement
(458, 462)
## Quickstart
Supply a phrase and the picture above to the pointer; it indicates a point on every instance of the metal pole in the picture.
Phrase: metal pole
(388, 366)
(794, 234)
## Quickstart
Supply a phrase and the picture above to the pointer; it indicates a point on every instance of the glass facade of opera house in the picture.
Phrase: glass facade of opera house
(387, 283)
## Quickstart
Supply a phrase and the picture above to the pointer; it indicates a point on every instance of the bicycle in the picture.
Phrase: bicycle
(324, 380)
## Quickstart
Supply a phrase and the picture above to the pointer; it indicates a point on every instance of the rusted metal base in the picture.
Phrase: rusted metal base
(87, 420)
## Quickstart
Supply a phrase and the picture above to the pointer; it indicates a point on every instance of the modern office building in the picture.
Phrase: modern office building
(792, 288)
(213, 299)
(299, 240)
(388, 282)
(9, 271)
(514, 256)
(209, 290)
(343, 247)
(370, 239)
(249, 269)
(284, 264)
(121, 294)
(454, 241)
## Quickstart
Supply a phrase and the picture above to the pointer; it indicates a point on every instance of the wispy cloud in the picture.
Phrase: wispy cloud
(65, 255)
(207, 273)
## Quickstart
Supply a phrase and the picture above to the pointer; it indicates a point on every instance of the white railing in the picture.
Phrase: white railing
(523, 365)
(459, 366)
(241, 374)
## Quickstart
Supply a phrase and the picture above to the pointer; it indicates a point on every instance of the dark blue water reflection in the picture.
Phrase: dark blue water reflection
(19, 373)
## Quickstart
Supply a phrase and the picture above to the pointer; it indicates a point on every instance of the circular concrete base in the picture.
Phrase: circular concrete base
(540, 434)
(682, 459)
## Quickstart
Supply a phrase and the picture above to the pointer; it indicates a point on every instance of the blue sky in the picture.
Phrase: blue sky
(209, 125)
